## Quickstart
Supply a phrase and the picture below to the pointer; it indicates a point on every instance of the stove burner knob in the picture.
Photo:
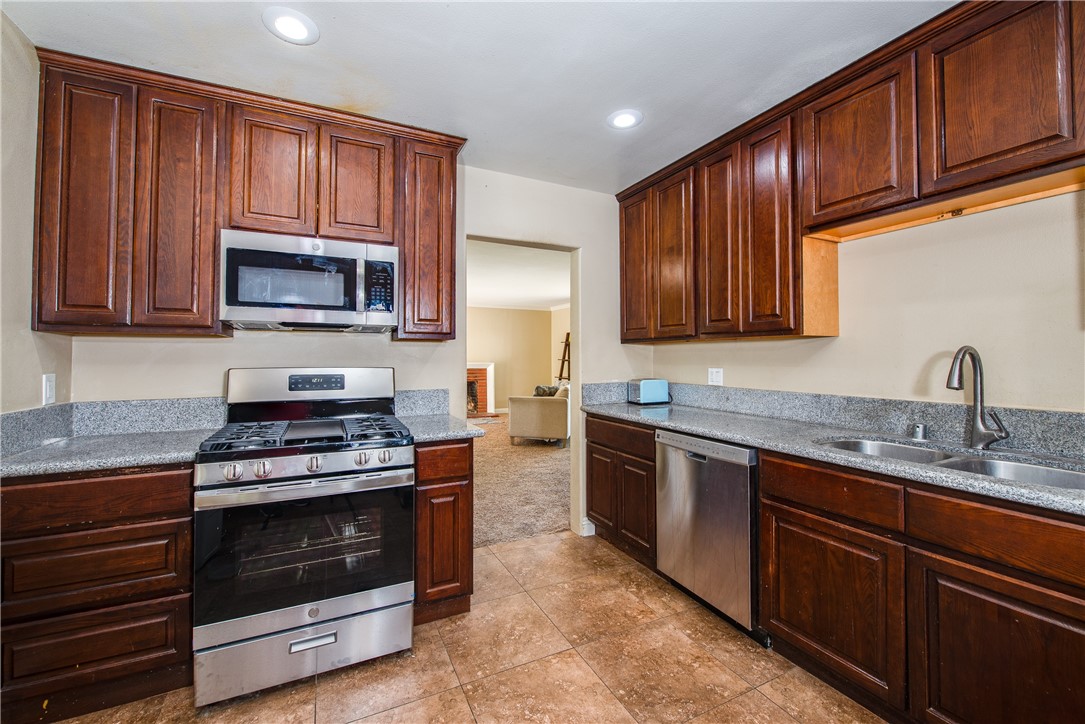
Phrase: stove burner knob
(233, 471)
(385, 456)
(361, 458)
(314, 464)
(262, 468)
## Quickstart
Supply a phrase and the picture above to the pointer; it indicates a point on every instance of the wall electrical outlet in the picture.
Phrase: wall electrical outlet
(715, 376)
(48, 389)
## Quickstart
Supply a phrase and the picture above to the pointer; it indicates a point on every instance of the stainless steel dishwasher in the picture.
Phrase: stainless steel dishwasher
(704, 519)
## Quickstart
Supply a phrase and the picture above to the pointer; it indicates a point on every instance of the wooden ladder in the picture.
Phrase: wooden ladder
(563, 372)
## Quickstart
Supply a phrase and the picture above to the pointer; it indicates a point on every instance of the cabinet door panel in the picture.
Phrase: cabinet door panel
(988, 648)
(768, 252)
(719, 278)
(637, 506)
(636, 280)
(175, 210)
(272, 171)
(444, 530)
(84, 262)
(859, 145)
(671, 257)
(356, 184)
(602, 485)
(837, 594)
(428, 244)
(1002, 93)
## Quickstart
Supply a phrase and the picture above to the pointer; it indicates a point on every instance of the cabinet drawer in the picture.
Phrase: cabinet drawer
(444, 460)
(1047, 547)
(639, 441)
(59, 573)
(68, 651)
(834, 491)
(69, 505)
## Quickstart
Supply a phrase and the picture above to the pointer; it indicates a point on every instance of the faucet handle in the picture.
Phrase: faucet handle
(1000, 431)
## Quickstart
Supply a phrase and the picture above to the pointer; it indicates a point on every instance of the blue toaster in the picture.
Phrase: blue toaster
(647, 391)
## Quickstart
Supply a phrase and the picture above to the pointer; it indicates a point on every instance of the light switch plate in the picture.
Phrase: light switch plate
(48, 389)
(715, 376)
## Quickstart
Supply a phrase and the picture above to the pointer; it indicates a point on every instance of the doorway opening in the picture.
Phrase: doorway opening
(521, 379)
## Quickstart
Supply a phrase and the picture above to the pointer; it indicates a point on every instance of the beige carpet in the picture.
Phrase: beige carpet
(520, 490)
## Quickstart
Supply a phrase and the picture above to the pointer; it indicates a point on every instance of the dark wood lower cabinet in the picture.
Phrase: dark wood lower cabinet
(837, 594)
(97, 584)
(444, 530)
(621, 486)
(988, 648)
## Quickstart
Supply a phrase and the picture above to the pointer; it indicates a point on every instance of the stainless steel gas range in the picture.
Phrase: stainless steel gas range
(304, 529)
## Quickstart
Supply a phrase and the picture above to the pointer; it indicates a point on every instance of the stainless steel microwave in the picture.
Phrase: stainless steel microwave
(273, 281)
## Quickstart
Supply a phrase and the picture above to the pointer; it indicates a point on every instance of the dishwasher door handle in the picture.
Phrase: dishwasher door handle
(697, 457)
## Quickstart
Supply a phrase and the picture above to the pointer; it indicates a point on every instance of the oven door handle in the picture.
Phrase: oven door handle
(298, 489)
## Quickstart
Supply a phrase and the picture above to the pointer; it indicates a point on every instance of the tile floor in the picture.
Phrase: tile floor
(561, 629)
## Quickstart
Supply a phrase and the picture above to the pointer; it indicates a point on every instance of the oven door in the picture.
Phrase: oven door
(299, 553)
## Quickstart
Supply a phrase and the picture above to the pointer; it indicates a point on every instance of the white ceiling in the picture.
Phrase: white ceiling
(516, 277)
(530, 84)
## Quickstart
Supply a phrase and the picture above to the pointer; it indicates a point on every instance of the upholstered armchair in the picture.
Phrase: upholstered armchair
(540, 418)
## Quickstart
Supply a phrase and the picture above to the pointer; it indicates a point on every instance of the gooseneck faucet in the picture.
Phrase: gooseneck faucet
(982, 435)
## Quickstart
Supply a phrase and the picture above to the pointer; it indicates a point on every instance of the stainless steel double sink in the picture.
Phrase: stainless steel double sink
(1018, 472)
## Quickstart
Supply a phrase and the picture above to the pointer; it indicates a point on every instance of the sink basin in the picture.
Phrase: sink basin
(1018, 472)
(893, 450)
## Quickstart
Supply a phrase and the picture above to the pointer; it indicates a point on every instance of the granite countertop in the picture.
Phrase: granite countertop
(105, 452)
(126, 450)
(800, 439)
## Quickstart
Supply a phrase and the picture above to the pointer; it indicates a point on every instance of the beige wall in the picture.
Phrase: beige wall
(559, 325)
(24, 355)
(517, 341)
(1009, 282)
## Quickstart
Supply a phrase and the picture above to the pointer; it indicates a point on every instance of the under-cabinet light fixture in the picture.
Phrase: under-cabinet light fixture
(291, 26)
(626, 118)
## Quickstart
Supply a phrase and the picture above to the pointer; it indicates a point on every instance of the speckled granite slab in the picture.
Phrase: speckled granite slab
(421, 402)
(1041, 431)
(431, 428)
(122, 417)
(105, 452)
(27, 429)
(800, 438)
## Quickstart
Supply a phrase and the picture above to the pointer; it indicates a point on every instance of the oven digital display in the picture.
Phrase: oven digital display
(317, 382)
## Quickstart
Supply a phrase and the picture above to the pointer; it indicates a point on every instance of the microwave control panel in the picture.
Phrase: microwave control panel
(380, 288)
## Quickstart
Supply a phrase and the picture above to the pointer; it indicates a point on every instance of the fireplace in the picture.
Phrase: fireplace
(480, 389)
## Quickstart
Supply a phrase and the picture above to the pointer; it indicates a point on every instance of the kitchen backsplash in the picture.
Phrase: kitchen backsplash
(1051, 432)
(27, 429)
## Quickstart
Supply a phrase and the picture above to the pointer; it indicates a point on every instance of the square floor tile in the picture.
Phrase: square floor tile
(658, 674)
(448, 707)
(498, 635)
(587, 608)
(735, 650)
(560, 688)
(653, 590)
(293, 703)
(556, 559)
(807, 699)
(492, 579)
(357, 691)
(753, 707)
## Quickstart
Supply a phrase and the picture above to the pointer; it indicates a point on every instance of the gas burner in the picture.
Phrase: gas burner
(245, 436)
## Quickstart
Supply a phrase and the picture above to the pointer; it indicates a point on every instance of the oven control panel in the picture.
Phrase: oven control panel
(298, 466)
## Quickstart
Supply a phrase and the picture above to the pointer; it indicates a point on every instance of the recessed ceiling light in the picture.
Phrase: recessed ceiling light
(291, 26)
(626, 118)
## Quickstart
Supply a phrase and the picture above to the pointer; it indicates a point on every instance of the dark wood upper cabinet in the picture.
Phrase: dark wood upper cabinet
(719, 277)
(657, 261)
(1000, 93)
(357, 184)
(671, 257)
(427, 242)
(985, 647)
(273, 171)
(85, 201)
(859, 145)
(768, 240)
(636, 273)
(174, 250)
